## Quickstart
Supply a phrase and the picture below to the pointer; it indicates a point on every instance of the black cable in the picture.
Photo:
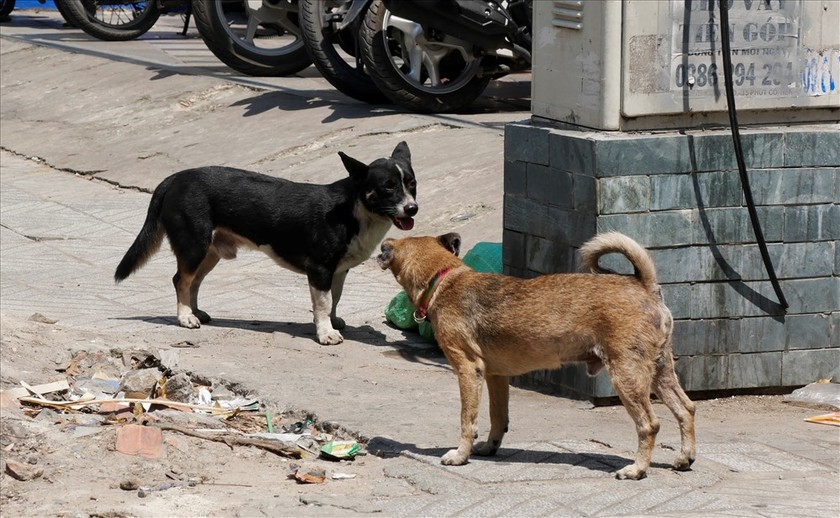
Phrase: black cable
(739, 153)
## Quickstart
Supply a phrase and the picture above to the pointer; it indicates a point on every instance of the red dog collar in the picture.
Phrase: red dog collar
(423, 303)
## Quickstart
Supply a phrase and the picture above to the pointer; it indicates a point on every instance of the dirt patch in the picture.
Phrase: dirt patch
(70, 461)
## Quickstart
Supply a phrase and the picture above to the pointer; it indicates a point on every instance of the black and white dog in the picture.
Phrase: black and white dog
(319, 230)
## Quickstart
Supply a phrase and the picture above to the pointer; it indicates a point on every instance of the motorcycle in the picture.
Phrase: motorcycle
(6, 8)
(425, 55)
(438, 56)
(255, 37)
(115, 20)
(330, 30)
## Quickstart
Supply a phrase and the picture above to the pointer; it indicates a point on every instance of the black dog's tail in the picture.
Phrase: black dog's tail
(148, 240)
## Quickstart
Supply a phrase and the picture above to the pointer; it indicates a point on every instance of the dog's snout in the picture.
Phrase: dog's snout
(411, 209)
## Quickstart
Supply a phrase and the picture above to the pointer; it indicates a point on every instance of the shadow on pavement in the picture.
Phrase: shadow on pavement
(599, 462)
(499, 97)
(292, 329)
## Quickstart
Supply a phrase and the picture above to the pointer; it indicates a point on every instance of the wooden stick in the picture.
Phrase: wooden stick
(38, 390)
(283, 448)
(75, 405)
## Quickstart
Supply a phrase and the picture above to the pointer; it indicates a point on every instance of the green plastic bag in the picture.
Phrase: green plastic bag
(400, 312)
(483, 257)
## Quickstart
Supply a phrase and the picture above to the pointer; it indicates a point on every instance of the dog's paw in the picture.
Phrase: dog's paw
(454, 458)
(683, 463)
(189, 321)
(202, 316)
(631, 472)
(337, 322)
(332, 337)
(486, 448)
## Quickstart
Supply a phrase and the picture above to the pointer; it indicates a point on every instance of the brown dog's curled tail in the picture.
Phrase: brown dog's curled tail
(616, 242)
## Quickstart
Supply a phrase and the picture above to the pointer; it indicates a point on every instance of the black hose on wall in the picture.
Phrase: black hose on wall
(739, 152)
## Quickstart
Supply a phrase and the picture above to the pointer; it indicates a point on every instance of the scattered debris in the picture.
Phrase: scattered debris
(185, 344)
(140, 383)
(221, 393)
(342, 476)
(823, 394)
(179, 388)
(268, 422)
(140, 395)
(832, 419)
(283, 448)
(194, 420)
(37, 317)
(145, 490)
(9, 403)
(129, 485)
(169, 358)
(309, 475)
(38, 390)
(23, 471)
(340, 450)
(99, 387)
(79, 404)
(145, 441)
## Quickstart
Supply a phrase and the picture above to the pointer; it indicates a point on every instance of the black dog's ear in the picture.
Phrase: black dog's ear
(384, 259)
(358, 170)
(401, 152)
(451, 242)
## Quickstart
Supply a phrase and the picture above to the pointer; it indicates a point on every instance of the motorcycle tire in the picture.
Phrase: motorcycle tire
(111, 20)
(62, 10)
(389, 67)
(223, 26)
(6, 8)
(336, 54)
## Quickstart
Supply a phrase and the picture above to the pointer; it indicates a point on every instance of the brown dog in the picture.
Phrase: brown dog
(491, 327)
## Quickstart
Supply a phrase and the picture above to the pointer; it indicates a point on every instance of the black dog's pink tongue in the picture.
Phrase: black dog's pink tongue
(405, 223)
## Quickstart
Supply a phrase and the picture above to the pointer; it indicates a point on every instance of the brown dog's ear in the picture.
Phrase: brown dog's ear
(384, 259)
(358, 170)
(451, 242)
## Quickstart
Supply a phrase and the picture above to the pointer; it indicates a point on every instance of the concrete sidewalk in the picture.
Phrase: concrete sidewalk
(61, 235)
(105, 119)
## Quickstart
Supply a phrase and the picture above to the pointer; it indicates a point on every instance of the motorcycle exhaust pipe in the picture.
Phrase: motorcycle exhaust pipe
(481, 23)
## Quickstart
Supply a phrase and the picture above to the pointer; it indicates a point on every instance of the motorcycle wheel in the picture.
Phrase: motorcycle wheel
(253, 37)
(336, 53)
(59, 5)
(6, 8)
(111, 20)
(418, 74)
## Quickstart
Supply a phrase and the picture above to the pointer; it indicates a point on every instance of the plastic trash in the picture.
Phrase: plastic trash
(400, 312)
(309, 475)
(832, 419)
(484, 257)
(816, 394)
(340, 450)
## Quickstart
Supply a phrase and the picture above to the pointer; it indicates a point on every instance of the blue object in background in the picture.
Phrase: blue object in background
(34, 4)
